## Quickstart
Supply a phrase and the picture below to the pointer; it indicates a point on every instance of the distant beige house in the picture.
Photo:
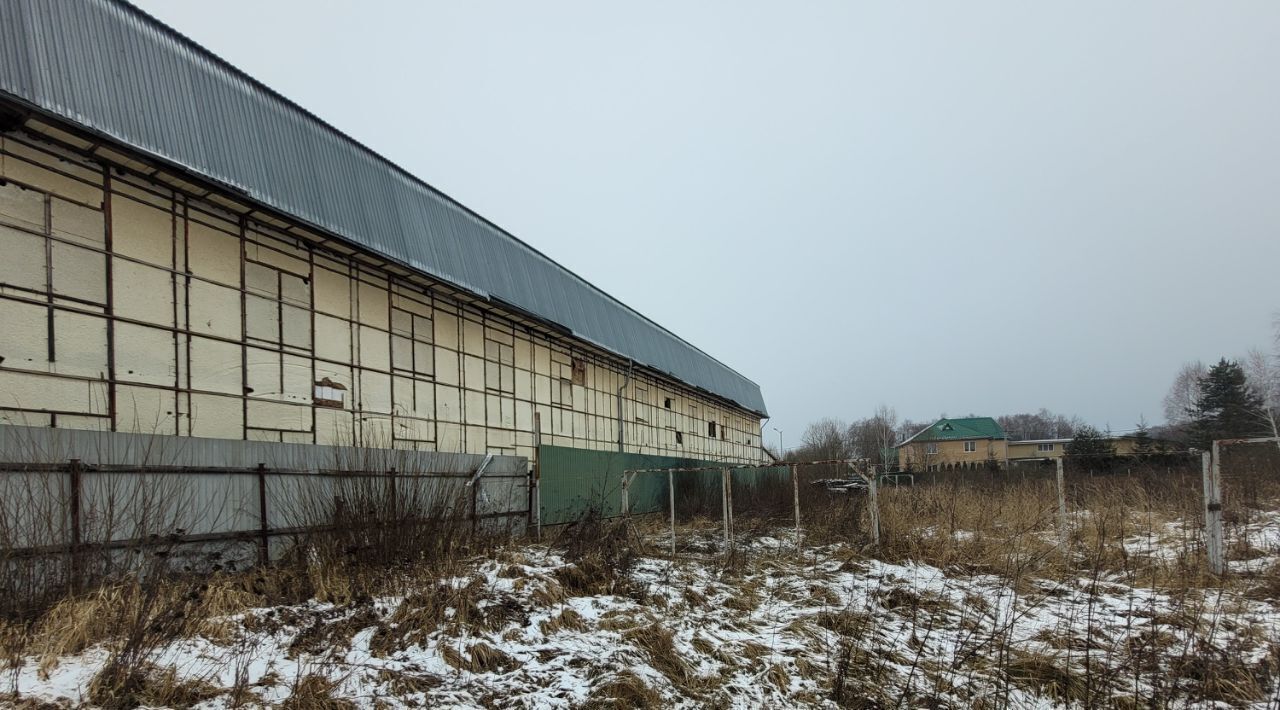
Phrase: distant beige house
(970, 442)
(973, 442)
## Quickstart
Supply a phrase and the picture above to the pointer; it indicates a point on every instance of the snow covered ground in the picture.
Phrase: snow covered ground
(531, 628)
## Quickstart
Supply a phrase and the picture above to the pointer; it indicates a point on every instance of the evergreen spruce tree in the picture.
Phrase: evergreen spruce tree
(1090, 448)
(1143, 445)
(1225, 406)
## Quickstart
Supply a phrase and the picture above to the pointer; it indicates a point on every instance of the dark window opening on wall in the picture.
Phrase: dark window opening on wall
(711, 429)
(666, 402)
(723, 432)
(579, 371)
(330, 394)
(679, 438)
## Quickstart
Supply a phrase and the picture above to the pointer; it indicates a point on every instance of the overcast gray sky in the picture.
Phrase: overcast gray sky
(979, 207)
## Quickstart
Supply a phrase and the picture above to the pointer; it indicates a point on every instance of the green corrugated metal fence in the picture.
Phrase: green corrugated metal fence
(576, 482)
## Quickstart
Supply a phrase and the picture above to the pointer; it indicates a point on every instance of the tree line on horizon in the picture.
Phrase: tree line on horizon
(1228, 400)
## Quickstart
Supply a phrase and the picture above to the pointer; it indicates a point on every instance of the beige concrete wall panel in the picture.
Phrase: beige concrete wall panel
(524, 416)
(80, 344)
(295, 290)
(22, 207)
(261, 280)
(262, 319)
(215, 366)
(445, 328)
(145, 410)
(493, 411)
(142, 231)
(25, 343)
(492, 375)
(402, 396)
(424, 400)
(473, 372)
(401, 322)
(476, 441)
(215, 310)
(296, 327)
(142, 292)
(214, 254)
(448, 404)
(19, 418)
(261, 435)
(23, 264)
(414, 429)
(473, 407)
(264, 373)
(412, 304)
(446, 367)
(37, 391)
(14, 168)
(278, 415)
(424, 358)
(375, 351)
(373, 305)
(78, 223)
(523, 385)
(144, 355)
(217, 417)
(523, 354)
(502, 335)
(507, 379)
(333, 293)
(375, 392)
(401, 353)
(377, 431)
(449, 437)
(542, 389)
(72, 421)
(333, 339)
(472, 337)
(299, 381)
(294, 260)
(297, 437)
(79, 273)
(500, 439)
(334, 427)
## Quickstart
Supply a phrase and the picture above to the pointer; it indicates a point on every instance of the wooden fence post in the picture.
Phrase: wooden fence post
(264, 549)
(795, 499)
(1062, 505)
(873, 505)
(73, 504)
(1211, 470)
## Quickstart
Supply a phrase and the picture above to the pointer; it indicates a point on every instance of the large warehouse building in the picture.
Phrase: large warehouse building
(185, 252)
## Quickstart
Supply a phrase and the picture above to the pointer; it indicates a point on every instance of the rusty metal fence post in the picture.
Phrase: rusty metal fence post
(73, 511)
(264, 549)
(671, 497)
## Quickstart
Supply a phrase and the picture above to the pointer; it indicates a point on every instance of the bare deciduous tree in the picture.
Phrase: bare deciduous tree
(1179, 403)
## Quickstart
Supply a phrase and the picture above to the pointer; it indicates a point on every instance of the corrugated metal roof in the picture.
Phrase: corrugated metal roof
(113, 69)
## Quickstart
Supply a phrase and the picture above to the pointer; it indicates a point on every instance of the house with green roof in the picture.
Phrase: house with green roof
(967, 442)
